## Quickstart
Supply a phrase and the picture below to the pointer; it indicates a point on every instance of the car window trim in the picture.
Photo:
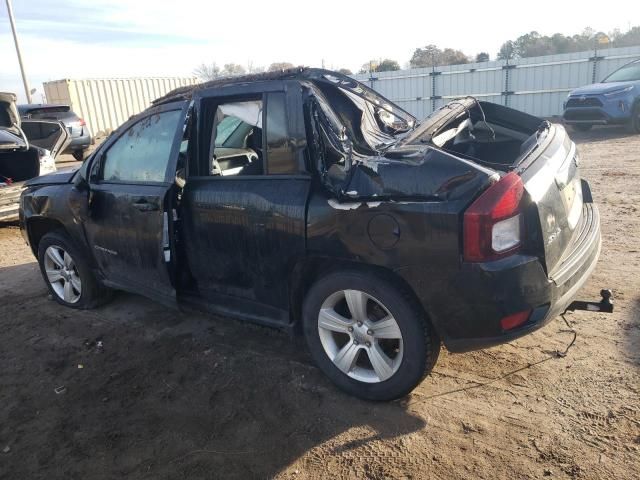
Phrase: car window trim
(284, 176)
(139, 183)
(230, 91)
(273, 87)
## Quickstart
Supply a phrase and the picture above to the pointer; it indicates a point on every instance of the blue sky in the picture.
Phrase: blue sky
(118, 38)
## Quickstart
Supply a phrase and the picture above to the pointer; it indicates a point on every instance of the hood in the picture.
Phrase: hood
(416, 173)
(599, 88)
(61, 176)
(9, 118)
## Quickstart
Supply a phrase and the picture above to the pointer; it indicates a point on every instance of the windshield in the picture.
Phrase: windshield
(628, 73)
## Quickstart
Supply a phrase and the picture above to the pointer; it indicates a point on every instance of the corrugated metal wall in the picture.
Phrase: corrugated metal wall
(537, 85)
(106, 103)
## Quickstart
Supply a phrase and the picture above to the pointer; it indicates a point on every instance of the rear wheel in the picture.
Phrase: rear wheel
(78, 155)
(582, 127)
(368, 336)
(67, 274)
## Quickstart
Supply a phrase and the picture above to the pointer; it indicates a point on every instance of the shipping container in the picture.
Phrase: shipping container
(105, 103)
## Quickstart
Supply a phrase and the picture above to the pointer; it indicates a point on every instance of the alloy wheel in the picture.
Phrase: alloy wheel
(62, 274)
(360, 336)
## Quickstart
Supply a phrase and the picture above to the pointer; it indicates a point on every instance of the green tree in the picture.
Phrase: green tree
(628, 39)
(533, 44)
(507, 51)
(425, 57)
(388, 65)
(431, 55)
(345, 71)
(482, 57)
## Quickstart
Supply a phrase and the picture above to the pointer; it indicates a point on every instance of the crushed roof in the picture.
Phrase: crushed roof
(185, 93)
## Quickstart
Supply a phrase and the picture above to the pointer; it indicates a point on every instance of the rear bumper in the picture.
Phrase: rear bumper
(498, 289)
(79, 143)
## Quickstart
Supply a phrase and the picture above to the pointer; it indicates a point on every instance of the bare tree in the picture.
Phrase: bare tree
(276, 66)
(232, 70)
(207, 72)
(251, 68)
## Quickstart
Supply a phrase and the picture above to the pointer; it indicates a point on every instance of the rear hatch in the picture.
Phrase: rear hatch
(74, 124)
(551, 177)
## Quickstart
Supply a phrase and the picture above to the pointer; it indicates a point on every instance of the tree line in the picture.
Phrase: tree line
(211, 71)
(531, 44)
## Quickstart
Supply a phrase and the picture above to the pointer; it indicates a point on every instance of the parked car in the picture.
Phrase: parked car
(614, 101)
(27, 149)
(305, 200)
(81, 138)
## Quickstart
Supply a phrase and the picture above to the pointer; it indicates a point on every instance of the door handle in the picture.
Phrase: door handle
(145, 206)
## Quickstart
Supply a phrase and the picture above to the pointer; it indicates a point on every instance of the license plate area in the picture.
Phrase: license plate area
(572, 199)
(568, 183)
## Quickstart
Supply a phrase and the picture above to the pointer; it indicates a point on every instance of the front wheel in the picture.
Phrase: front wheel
(67, 274)
(368, 336)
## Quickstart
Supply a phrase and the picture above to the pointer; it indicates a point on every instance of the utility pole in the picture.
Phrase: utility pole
(15, 40)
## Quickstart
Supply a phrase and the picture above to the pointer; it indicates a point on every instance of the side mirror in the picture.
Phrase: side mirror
(80, 181)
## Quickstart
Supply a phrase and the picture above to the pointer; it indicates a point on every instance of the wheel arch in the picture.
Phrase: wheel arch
(38, 227)
(307, 271)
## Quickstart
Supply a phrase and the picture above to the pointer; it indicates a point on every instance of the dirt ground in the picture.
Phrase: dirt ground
(173, 395)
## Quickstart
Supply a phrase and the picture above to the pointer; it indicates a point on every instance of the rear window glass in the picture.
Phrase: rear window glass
(47, 112)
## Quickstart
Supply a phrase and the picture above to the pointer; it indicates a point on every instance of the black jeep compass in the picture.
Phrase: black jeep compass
(303, 199)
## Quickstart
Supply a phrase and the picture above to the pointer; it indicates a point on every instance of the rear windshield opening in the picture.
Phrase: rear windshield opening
(490, 135)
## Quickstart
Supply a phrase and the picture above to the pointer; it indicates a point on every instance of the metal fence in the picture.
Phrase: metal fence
(536, 85)
(106, 103)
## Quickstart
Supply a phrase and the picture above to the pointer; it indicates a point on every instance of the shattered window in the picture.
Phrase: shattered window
(142, 153)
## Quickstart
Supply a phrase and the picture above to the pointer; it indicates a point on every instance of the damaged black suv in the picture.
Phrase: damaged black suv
(303, 199)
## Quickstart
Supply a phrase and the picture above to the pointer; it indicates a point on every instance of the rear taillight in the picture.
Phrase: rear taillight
(493, 225)
(81, 122)
(515, 320)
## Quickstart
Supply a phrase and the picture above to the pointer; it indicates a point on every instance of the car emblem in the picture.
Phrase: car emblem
(583, 99)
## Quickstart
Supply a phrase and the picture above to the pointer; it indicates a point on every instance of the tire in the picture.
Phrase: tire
(407, 360)
(76, 285)
(582, 127)
(634, 124)
(78, 155)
